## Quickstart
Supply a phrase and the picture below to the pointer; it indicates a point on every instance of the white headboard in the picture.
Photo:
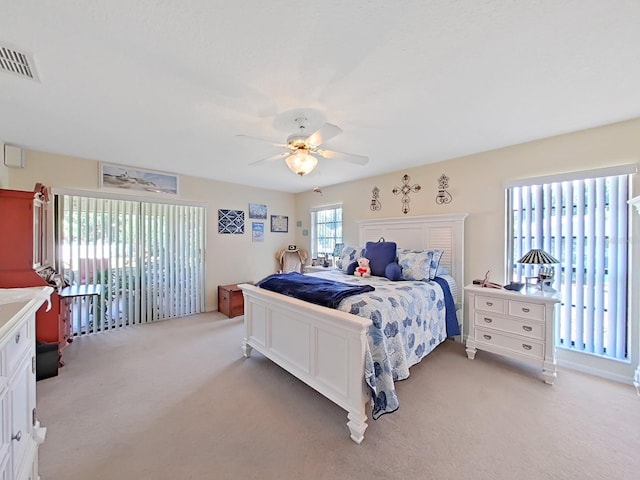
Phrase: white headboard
(445, 232)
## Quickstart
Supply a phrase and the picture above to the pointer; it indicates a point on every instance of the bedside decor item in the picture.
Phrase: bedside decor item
(279, 223)
(337, 252)
(443, 196)
(375, 202)
(405, 189)
(538, 256)
(230, 221)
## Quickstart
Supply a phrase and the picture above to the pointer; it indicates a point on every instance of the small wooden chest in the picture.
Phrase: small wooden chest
(230, 300)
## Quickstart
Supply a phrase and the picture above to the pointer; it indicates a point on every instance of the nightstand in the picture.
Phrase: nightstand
(513, 324)
(316, 268)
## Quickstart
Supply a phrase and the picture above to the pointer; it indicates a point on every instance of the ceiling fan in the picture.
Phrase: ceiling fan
(303, 149)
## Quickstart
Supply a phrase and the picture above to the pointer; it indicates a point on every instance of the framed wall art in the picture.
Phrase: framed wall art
(279, 223)
(257, 210)
(257, 232)
(137, 179)
(230, 221)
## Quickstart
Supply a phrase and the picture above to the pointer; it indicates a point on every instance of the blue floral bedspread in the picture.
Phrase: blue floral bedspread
(409, 321)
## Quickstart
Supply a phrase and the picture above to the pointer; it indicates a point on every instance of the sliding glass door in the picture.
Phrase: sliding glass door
(148, 259)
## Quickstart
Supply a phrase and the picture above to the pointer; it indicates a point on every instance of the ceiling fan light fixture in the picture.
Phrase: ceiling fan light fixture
(301, 162)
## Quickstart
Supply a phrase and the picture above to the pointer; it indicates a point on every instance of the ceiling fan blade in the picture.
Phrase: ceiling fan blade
(324, 133)
(347, 157)
(271, 159)
(260, 139)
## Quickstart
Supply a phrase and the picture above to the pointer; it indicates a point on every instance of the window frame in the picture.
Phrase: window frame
(314, 250)
(510, 264)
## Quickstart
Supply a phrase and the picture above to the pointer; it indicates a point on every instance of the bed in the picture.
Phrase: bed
(329, 349)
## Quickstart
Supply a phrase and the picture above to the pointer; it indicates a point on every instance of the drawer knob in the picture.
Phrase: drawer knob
(526, 347)
(17, 436)
(488, 320)
(489, 304)
(17, 337)
(487, 337)
(525, 310)
(527, 328)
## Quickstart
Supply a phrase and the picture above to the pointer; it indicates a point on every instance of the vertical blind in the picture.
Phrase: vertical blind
(148, 259)
(583, 223)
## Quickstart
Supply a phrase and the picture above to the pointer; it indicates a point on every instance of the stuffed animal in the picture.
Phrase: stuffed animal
(362, 270)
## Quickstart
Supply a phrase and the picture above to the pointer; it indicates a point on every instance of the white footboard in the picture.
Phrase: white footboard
(323, 347)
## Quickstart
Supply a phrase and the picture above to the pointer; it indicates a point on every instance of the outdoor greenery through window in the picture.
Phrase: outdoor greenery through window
(326, 230)
(582, 221)
(147, 258)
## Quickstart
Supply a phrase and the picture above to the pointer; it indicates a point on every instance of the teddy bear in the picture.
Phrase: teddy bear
(362, 270)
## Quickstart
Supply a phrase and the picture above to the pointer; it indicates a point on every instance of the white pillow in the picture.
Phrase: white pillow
(419, 264)
(349, 254)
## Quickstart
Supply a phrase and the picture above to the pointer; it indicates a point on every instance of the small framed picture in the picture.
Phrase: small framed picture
(257, 210)
(279, 223)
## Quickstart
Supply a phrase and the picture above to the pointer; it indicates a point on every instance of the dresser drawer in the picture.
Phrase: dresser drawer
(522, 346)
(20, 341)
(525, 328)
(490, 304)
(533, 311)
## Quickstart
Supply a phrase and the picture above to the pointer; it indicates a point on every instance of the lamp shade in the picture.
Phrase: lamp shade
(301, 162)
(337, 250)
(538, 257)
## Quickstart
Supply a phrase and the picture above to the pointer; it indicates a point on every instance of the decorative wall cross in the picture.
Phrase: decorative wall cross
(405, 189)
(375, 203)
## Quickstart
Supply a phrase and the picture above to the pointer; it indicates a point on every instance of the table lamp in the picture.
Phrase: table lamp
(337, 251)
(545, 274)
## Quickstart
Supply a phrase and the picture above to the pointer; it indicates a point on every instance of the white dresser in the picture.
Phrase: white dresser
(514, 324)
(20, 430)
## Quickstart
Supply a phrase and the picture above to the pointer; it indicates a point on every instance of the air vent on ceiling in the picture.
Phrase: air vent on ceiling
(19, 63)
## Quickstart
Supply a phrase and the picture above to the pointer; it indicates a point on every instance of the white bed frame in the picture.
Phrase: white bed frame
(324, 347)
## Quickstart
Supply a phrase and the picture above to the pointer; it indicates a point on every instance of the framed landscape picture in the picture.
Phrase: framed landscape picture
(133, 178)
(279, 223)
(257, 210)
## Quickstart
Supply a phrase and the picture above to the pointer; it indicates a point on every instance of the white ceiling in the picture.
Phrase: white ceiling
(167, 85)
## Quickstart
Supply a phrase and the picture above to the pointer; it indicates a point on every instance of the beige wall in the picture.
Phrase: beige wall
(229, 258)
(477, 186)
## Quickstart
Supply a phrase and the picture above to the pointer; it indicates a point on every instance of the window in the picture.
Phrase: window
(326, 229)
(581, 219)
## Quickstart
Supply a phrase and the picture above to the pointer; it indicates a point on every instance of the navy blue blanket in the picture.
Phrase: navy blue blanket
(311, 289)
(452, 321)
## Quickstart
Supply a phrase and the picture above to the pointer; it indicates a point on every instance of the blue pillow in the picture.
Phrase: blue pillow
(393, 272)
(380, 254)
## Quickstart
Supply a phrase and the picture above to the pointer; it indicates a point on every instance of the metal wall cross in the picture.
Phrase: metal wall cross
(405, 190)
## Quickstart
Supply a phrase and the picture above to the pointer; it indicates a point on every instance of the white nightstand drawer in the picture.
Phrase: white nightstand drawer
(510, 325)
(490, 304)
(534, 311)
(527, 347)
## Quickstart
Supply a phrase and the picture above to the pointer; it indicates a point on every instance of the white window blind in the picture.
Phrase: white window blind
(583, 223)
(147, 257)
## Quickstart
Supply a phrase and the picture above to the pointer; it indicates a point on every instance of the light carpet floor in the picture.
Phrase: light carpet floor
(176, 400)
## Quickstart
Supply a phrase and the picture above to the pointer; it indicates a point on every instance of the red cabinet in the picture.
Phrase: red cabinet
(23, 248)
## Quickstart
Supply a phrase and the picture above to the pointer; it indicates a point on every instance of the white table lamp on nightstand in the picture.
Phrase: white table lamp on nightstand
(545, 274)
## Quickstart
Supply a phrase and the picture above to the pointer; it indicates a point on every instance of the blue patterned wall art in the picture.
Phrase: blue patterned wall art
(231, 221)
